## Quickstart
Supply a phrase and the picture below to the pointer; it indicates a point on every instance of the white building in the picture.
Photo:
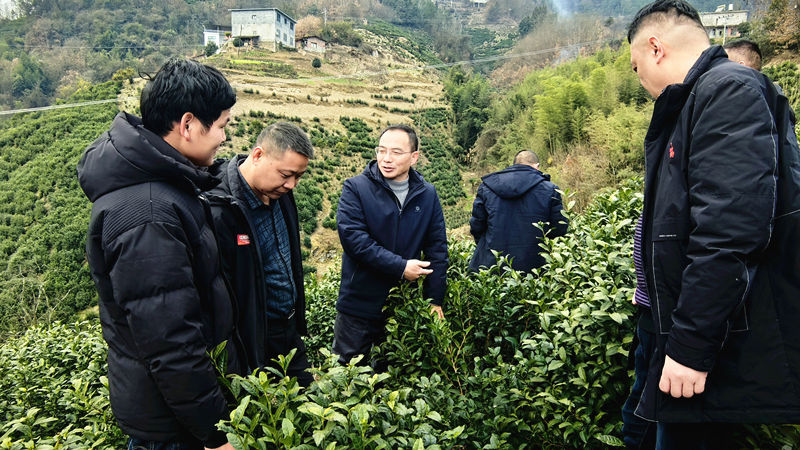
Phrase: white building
(216, 34)
(723, 23)
(265, 26)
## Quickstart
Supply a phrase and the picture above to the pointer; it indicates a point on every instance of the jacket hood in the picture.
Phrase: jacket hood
(514, 181)
(128, 154)
(227, 171)
(373, 172)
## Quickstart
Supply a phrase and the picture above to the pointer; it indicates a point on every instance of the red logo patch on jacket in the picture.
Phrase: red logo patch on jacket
(242, 239)
(671, 151)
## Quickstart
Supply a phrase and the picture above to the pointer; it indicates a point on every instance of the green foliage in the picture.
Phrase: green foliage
(238, 42)
(210, 49)
(309, 203)
(44, 214)
(468, 95)
(316, 63)
(263, 68)
(521, 360)
(787, 76)
(341, 33)
(54, 390)
(553, 110)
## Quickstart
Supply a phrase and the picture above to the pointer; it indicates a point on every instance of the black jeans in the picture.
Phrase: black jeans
(639, 433)
(140, 444)
(282, 337)
(353, 336)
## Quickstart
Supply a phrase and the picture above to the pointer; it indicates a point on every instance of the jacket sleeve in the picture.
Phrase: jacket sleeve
(731, 176)
(356, 240)
(558, 223)
(435, 249)
(152, 280)
(477, 223)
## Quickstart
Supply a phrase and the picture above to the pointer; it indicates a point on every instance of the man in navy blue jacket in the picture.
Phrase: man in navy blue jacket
(387, 217)
(508, 206)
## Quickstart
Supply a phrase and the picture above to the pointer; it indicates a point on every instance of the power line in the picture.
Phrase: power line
(66, 105)
(364, 74)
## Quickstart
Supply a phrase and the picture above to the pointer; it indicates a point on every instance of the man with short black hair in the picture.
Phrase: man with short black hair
(258, 230)
(507, 207)
(744, 52)
(387, 217)
(720, 225)
(152, 253)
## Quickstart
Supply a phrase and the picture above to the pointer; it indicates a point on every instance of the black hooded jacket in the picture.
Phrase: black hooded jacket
(241, 259)
(163, 302)
(721, 227)
(507, 206)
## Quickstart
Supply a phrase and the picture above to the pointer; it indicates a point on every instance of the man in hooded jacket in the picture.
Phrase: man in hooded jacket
(153, 257)
(506, 210)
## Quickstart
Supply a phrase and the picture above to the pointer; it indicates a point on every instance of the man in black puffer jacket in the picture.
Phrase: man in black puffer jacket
(720, 229)
(506, 210)
(153, 256)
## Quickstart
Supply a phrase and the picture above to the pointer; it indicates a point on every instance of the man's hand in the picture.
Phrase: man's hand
(227, 446)
(679, 381)
(436, 309)
(416, 268)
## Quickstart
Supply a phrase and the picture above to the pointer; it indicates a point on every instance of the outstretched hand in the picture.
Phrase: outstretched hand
(437, 310)
(415, 269)
(679, 381)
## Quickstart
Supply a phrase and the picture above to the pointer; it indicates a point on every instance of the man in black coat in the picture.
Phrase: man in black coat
(152, 253)
(506, 210)
(387, 217)
(256, 223)
(720, 228)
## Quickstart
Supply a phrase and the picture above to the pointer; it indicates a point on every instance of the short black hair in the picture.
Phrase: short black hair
(283, 136)
(182, 86)
(749, 48)
(526, 157)
(412, 135)
(673, 9)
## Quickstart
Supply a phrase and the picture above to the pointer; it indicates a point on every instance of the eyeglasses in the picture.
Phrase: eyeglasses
(380, 152)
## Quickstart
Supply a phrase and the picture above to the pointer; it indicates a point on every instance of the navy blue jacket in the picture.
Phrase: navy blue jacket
(507, 206)
(379, 236)
(720, 233)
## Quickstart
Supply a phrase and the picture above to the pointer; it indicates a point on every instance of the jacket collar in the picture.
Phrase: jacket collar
(415, 179)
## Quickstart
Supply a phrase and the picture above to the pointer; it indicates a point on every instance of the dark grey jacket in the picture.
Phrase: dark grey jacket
(163, 301)
(242, 265)
(721, 229)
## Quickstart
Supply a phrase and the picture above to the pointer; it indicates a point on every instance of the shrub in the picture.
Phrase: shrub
(211, 48)
(316, 63)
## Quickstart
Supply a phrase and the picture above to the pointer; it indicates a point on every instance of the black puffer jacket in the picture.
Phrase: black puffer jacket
(507, 206)
(721, 229)
(242, 263)
(163, 301)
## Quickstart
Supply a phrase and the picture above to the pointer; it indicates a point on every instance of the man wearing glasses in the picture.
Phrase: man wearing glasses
(387, 218)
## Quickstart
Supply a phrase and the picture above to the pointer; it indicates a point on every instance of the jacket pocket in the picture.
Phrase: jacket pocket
(667, 259)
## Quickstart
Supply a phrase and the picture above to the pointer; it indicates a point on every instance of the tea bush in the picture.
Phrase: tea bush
(54, 390)
(522, 360)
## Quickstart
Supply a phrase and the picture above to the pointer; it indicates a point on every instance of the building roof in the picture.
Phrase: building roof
(263, 9)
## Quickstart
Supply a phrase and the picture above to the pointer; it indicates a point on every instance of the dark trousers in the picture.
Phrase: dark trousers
(353, 336)
(139, 444)
(639, 433)
(698, 436)
(282, 337)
